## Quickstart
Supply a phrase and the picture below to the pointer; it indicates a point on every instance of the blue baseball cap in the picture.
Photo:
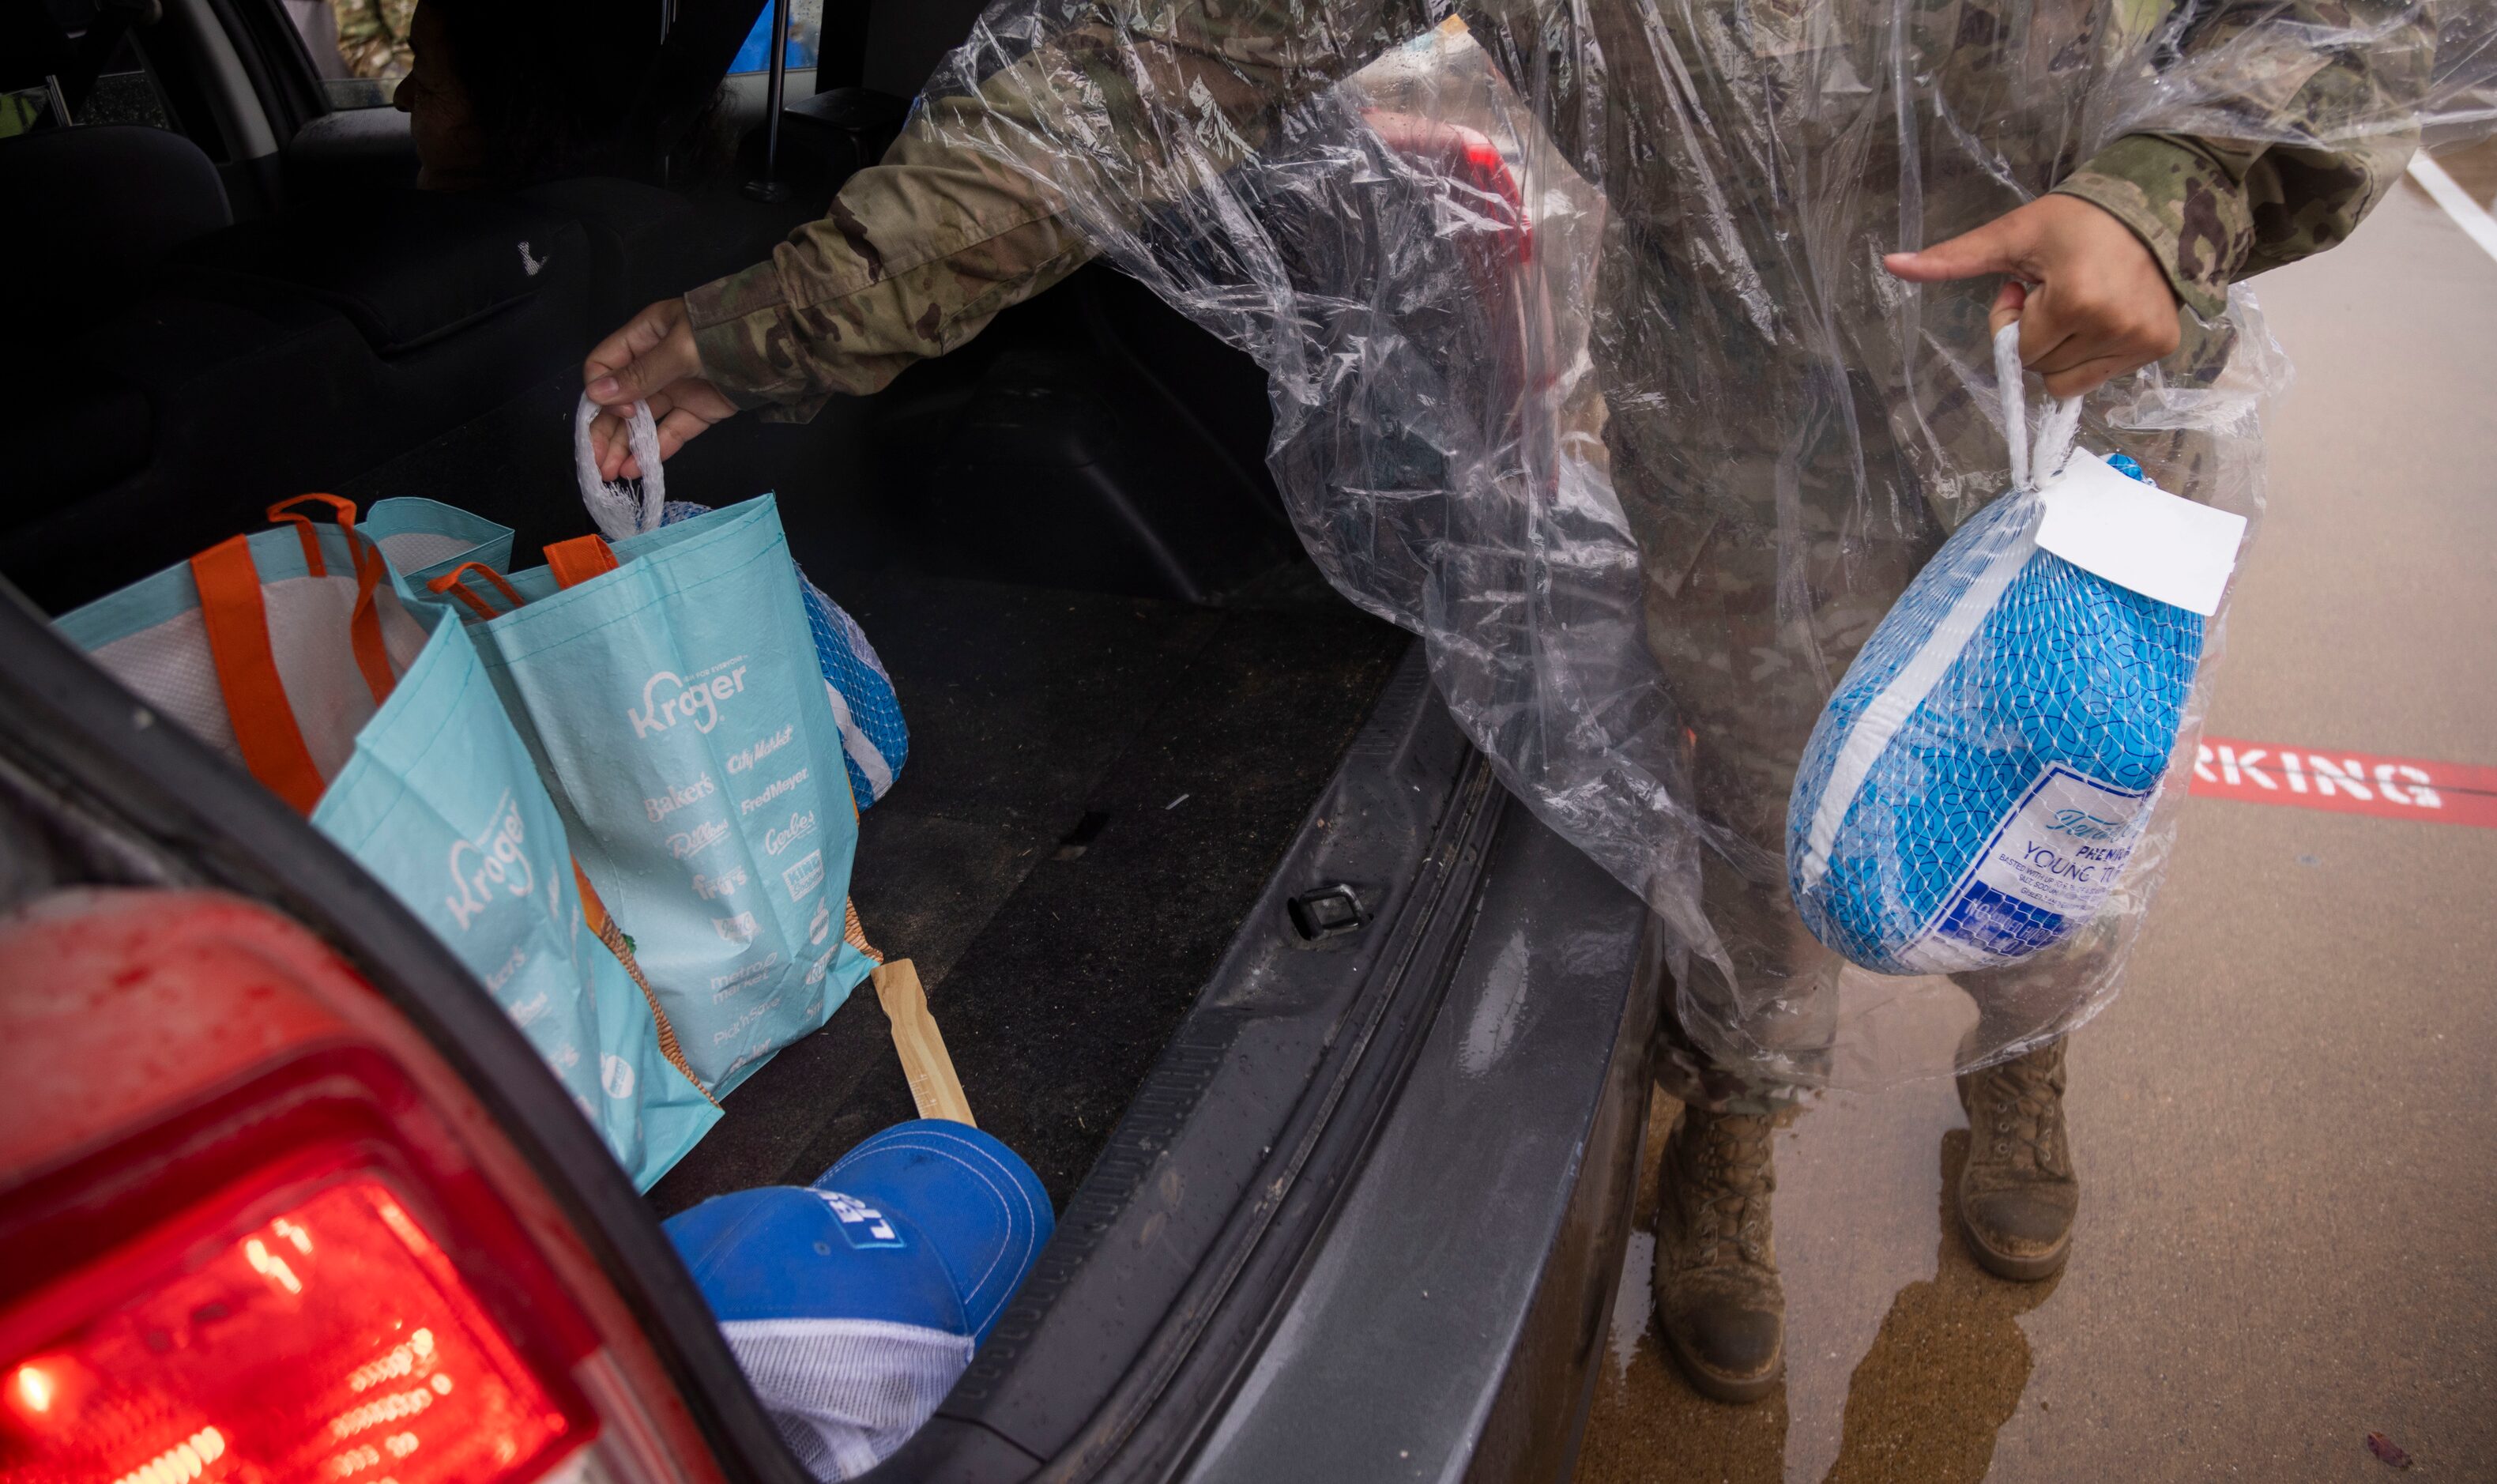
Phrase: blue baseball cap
(978, 1207)
(928, 1223)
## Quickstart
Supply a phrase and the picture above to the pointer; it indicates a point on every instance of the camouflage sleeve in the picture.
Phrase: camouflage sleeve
(916, 256)
(2327, 87)
(962, 220)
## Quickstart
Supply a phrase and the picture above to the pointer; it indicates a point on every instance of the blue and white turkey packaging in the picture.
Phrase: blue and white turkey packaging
(1976, 786)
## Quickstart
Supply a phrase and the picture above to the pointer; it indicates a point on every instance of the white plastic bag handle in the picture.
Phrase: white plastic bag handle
(2056, 430)
(613, 505)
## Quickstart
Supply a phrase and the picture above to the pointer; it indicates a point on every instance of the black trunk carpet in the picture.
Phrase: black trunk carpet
(1098, 789)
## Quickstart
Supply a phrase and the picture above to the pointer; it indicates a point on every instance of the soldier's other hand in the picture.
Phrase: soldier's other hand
(2091, 300)
(653, 359)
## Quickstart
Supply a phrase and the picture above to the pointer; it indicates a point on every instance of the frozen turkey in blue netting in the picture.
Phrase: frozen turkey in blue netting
(1975, 786)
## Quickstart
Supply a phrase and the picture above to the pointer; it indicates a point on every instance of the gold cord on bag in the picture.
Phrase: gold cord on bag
(603, 923)
(613, 938)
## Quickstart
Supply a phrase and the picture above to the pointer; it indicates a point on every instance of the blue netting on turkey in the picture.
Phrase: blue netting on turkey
(1985, 817)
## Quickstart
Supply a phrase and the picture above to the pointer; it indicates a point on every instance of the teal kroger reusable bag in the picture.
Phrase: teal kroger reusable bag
(875, 741)
(426, 538)
(670, 692)
(442, 803)
(286, 651)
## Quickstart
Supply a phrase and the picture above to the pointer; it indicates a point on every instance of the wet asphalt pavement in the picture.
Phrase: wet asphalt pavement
(2283, 1128)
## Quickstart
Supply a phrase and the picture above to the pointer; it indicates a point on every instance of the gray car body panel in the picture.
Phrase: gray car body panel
(1481, 1233)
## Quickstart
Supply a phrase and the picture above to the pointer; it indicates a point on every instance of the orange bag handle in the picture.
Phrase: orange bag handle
(235, 617)
(449, 582)
(572, 562)
(237, 622)
(364, 627)
(575, 561)
(284, 511)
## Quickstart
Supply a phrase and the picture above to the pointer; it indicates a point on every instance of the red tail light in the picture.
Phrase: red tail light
(327, 1342)
(262, 1235)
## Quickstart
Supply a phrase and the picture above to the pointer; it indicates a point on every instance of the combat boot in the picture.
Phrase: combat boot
(2018, 1193)
(1716, 1294)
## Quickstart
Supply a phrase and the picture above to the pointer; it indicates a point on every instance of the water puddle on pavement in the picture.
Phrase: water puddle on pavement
(1904, 1358)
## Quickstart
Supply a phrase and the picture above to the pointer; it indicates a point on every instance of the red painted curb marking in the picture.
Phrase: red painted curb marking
(2345, 782)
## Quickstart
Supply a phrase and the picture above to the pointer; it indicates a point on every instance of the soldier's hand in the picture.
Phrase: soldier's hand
(2091, 299)
(653, 359)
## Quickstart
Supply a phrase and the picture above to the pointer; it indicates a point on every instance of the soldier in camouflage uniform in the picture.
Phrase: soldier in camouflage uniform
(373, 37)
(1786, 473)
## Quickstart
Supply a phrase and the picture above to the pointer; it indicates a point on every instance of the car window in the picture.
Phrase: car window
(359, 48)
(23, 110)
(127, 96)
(805, 28)
(122, 94)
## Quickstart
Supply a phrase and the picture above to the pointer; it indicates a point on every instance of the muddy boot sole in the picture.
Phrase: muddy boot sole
(2032, 1269)
(1718, 1386)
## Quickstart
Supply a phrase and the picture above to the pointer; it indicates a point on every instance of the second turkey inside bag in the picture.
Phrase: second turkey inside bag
(669, 690)
(1974, 787)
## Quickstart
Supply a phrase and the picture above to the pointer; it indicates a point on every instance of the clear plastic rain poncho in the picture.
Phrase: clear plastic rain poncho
(1584, 368)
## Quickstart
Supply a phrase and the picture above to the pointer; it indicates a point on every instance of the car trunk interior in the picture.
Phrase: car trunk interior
(1099, 787)
(1112, 739)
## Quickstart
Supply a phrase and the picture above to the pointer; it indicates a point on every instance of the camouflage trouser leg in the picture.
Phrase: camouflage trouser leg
(1762, 584)
(1750, 685)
